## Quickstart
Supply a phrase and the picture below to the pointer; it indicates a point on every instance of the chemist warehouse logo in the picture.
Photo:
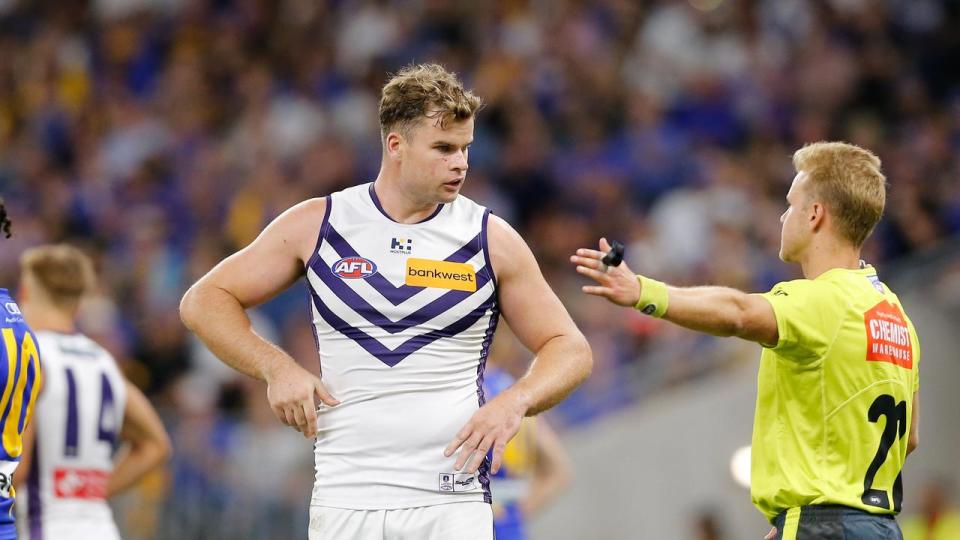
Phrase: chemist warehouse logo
(888, 336)
(354, 268)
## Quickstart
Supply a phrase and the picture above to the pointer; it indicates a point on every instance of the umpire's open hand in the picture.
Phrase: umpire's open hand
(290, 390)
(617, 284)
(491, 427)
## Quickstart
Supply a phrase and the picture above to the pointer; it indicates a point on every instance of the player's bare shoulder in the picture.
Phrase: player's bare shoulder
(297, 228)
(509, 253)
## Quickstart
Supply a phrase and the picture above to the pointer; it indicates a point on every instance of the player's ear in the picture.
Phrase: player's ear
(394, 144)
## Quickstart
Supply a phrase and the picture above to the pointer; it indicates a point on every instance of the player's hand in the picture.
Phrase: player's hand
(617, 284)
(290, 390)
(491, 427)
(771, 535)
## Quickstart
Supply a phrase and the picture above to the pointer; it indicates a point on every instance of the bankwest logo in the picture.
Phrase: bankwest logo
(888, 336)
(354, 268)
(441, 275)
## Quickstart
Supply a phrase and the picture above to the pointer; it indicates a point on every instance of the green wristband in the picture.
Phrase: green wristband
(653, 297)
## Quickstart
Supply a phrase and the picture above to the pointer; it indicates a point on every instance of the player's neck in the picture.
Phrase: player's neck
(827, 255)
(397, 205)
(48, 318)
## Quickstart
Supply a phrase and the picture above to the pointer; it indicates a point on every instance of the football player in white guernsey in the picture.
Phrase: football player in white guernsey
(86, 411)
(407, 280)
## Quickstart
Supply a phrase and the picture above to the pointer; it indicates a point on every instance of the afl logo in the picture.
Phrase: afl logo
(354, 268)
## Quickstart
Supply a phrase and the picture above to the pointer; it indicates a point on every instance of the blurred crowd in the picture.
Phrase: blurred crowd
(162, 135)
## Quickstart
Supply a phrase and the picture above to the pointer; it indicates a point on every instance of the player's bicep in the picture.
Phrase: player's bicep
(527, 302)
(273, 261)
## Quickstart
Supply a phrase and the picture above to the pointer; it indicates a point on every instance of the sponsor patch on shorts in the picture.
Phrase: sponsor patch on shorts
(459, 482)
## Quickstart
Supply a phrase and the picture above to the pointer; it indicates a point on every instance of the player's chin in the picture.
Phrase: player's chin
(450, 190)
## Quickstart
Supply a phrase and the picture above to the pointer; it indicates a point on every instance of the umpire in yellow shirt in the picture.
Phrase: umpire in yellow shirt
(837, 390)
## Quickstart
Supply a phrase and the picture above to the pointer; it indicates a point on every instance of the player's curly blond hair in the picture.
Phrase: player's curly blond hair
(424, 90)
(847, 179)
(63, 272)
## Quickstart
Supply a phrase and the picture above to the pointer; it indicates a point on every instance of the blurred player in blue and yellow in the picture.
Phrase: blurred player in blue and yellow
(20, 380)
(837, 389)
(535, 467)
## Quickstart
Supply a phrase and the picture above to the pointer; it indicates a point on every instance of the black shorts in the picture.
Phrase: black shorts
(832, 522)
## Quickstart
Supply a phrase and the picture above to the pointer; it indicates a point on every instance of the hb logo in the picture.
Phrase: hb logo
(401, 245)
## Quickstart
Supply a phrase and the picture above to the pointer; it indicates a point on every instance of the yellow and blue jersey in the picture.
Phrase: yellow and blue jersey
(20, 379)
(835, 396)
(512, 481)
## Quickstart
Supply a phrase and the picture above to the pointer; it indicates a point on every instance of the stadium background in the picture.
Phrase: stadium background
(161, 135)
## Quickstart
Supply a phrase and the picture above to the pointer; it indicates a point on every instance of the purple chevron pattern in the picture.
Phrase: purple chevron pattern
(373, 315)
(408, 347)
(396, 295)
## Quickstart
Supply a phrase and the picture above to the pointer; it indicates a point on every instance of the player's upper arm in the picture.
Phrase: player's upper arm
(273, 261)
(142, 424)
(527, 302)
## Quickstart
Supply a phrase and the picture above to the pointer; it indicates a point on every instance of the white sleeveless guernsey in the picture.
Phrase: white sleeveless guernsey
(403, 315)
(77, 424)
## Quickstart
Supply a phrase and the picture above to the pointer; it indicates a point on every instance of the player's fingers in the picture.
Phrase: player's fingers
(497, 456)
(584, 261)
(771, 535)
(278, 412)
(479, 454)
(591, 253)
(287, 417)
(324, 395)
(299, 418)
(467, 449)
(457, 440)
(310, 414)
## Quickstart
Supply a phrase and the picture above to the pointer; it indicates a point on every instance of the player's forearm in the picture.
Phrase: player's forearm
(713, 310)
(561, 365)
(222, 324)
(135, 464)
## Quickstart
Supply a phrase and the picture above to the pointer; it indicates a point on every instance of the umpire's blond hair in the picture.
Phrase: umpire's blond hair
(847, 179)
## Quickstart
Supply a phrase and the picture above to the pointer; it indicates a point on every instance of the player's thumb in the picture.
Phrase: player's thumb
(324, 395)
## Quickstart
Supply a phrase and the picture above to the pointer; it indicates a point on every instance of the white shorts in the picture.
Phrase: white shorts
(80, 529)
(460, 521)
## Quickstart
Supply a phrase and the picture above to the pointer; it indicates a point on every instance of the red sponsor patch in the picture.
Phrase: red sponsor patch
(80, 483)
(888, 336)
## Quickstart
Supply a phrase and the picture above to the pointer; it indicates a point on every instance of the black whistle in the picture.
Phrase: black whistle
(615, 256)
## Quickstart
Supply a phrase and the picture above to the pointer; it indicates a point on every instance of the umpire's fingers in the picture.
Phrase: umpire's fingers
(596, 275)
(587, 262)
(591, 253)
